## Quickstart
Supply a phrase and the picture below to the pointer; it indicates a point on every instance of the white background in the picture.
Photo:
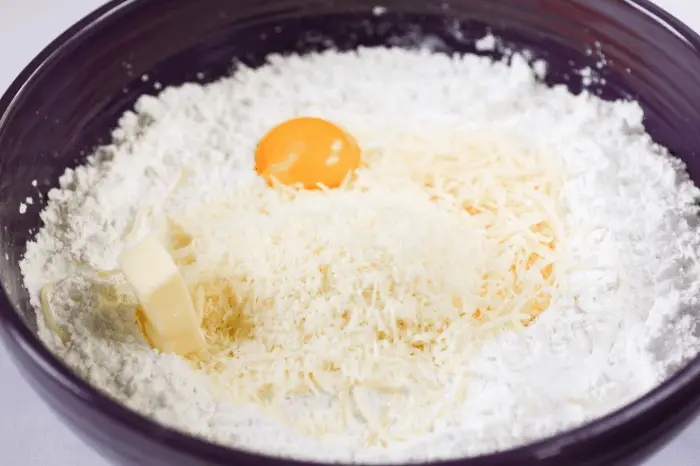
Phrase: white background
(30, 435)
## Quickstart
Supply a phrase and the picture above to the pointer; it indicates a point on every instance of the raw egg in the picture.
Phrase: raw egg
(307, 151)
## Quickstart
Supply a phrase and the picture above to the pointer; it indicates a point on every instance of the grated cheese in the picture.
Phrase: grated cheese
(373, 295)
(47, 312)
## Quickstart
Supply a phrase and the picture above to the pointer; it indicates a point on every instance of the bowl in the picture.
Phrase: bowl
(68, 99)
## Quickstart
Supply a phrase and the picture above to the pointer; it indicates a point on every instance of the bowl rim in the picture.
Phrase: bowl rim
(17, 333)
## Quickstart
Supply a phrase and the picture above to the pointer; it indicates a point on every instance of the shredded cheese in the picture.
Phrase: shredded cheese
(374, 294)
(44, 298)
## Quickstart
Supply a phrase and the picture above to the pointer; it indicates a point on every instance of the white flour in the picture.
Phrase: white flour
(625, 324)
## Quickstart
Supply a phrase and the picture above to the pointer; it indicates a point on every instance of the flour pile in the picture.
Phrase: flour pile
(618, 320)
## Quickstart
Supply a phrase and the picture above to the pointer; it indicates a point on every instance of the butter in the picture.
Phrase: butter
(170, 322)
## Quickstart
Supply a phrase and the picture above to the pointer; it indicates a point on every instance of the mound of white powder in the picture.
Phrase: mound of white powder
(625, 323)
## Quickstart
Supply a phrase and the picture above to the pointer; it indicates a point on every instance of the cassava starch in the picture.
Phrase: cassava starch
(624, 323)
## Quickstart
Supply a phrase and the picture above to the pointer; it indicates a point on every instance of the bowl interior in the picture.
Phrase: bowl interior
(69, 99)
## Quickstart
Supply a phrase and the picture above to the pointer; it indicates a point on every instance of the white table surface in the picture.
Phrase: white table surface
(30, 434)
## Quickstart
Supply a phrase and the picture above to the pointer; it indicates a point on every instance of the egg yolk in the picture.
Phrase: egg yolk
(307, 151)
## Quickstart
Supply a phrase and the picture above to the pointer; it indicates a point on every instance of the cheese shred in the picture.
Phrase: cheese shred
(374, 296)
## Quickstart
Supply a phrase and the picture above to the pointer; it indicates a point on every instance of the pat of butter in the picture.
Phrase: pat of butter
(171, 324)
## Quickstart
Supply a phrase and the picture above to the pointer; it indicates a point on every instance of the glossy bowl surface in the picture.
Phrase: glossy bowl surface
(67, 100)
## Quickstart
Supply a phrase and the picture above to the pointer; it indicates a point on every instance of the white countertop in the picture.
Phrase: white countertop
(30, 434)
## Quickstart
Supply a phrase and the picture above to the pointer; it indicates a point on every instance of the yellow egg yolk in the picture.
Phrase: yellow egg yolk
(308, 152)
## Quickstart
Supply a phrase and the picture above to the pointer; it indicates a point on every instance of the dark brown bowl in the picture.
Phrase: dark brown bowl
(65, 102)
